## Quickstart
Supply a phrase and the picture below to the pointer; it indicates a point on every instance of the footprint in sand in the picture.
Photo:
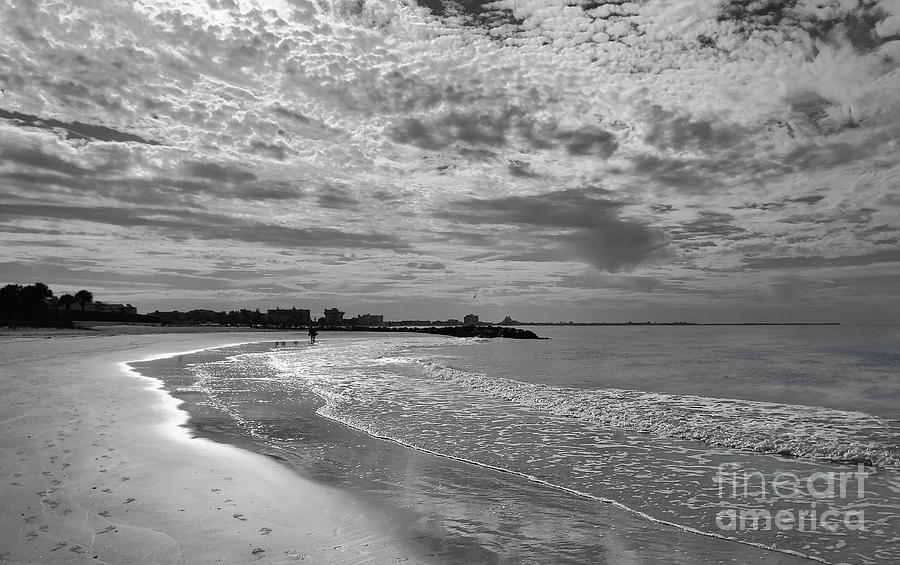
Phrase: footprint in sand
(129, 500)
(106, 530)
(59, 546)
(30, 519)
(294, 555)
(77, 549)
(239, 517)
(51, 503)
(104, 514)
(258, 553)
(17, 484)
(31, 535)
(107, 490)
(46, 473)
(56, 482)
(216, 490)
(4, 556)
(126, 478)
(265, 531)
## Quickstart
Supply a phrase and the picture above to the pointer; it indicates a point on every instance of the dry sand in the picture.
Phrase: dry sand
(94, 468)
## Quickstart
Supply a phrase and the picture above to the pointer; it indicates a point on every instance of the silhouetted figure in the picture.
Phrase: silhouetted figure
(312, 334)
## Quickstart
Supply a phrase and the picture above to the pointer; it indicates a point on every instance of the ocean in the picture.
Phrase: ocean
(770, 442)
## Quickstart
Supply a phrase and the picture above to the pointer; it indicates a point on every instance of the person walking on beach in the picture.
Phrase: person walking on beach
(312, 335)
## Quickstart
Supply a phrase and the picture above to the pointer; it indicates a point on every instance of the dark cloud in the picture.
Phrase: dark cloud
(472, 128)
(521, 169)
(487, 14)
(811, 199)
(781, 204)
(494, 129)
(426, 265)
(185, 224)
(815, 261)
(581, 222)
(589, 141)
(36, 159)
(73, 130)
(662, 208)
(752, 15)
(219, 173)
(336, 197)
(687, 176)
(670, 130)
(38, 172)
(277, 152)
(708, 224)
(854, 22)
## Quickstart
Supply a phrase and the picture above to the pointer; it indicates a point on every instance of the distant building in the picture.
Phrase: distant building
(202, 316)
(507, 321)
(369, 320)
(452, 322)
(410, 323)
(470, 319)
(292, 317)
(334, 317)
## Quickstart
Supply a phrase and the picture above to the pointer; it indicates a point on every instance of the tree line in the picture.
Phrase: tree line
(31, 304)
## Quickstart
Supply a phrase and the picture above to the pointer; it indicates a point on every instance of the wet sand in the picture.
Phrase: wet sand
(98, 465)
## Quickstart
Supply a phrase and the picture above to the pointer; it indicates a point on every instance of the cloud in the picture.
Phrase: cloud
(750, 136)
(182, 224)
(426, 265)
(73, 130)
(806, 262)
(582, 221)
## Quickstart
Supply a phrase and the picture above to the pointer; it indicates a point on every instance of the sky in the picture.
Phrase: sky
(707, 161)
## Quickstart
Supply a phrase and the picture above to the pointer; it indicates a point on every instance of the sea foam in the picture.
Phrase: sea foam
(790, 430)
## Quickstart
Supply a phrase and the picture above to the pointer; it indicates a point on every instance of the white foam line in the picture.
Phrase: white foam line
(537, 480)
(173, 425)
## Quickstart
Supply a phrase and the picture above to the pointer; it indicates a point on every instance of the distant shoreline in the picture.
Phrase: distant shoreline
(677, 324)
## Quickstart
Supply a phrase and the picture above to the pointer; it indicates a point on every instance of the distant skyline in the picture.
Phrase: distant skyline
(551, 160)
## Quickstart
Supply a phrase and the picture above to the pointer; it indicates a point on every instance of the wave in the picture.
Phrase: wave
(789, 430)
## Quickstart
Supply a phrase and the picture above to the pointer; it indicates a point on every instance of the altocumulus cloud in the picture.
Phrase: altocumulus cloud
(317, 141)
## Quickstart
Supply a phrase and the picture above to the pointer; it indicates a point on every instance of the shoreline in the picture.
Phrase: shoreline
(619, 526)
(97, 468)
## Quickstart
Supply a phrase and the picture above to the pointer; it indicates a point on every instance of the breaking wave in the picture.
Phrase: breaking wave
(784, 429)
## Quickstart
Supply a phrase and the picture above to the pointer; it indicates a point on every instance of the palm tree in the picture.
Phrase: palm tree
(34, 298)
(67, 300)
(84, 297)
(11, 301)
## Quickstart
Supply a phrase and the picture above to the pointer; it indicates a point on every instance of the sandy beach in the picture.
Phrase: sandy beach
(95, 469)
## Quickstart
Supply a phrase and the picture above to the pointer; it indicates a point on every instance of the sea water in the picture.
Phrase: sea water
(779, 437)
